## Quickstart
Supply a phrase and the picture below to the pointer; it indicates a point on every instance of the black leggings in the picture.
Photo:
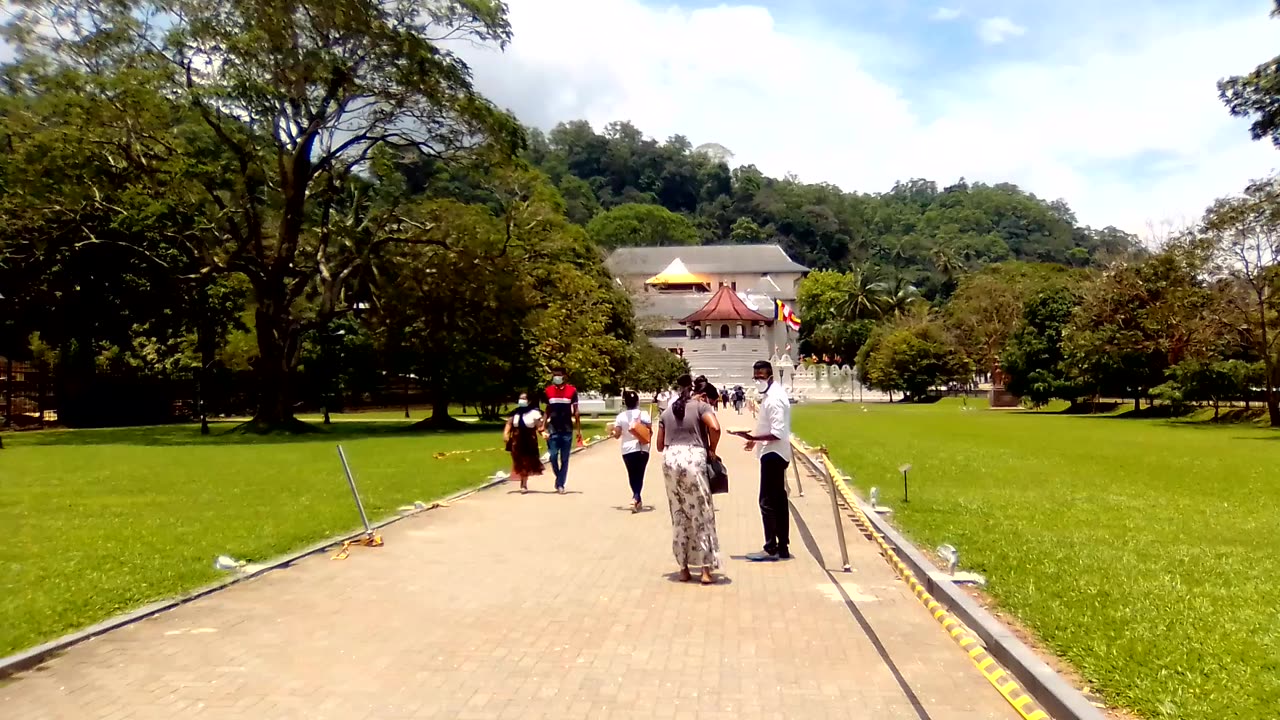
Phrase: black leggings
(636, 462)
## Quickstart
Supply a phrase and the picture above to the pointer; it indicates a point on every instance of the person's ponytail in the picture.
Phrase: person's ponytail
(685, 384)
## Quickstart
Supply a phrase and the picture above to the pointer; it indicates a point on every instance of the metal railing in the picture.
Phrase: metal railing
(820, 468)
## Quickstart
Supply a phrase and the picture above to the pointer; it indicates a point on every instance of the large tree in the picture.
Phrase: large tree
(499, 290)
(1033, 359)
(652, 369)
(641, 226)
(1256, 95)
(987, 306)
(911, 358)
(1135, 321)
(1243, 236)
(292, 100)
(840, 311)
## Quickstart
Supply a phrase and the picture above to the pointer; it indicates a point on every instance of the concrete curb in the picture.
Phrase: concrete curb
(1058, 697)
(35, 656)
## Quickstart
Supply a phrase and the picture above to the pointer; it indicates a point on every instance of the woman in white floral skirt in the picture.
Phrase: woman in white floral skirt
(688, 434)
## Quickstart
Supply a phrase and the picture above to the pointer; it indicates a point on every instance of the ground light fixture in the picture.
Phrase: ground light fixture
(904, 469)
(951, 556)
(875, 502)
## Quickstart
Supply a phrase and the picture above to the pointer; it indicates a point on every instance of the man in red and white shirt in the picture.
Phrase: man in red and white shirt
(563, 422)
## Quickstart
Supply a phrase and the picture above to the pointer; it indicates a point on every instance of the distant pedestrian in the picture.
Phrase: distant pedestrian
(772, 443)
(700, 385)
(521, 438)
(706, 392)
(688, 434)
(635, 428)
(739, 398)
(562, 423)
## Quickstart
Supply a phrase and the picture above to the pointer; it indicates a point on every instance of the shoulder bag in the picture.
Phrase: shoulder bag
(641, 431)
(717, 473)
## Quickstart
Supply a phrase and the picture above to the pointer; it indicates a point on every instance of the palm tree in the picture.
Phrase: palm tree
(947, 261)
(866, 295)
(900, 297)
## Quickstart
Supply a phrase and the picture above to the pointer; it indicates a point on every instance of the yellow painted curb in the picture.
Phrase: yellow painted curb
(1002, 681)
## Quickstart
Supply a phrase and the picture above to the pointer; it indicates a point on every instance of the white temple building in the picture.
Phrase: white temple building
(715, 306)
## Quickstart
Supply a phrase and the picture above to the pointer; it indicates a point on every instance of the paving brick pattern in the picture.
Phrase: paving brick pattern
(537, 606)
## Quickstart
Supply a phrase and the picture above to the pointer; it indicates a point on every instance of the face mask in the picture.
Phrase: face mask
(557, 380)
(762, 385)
(523, 403)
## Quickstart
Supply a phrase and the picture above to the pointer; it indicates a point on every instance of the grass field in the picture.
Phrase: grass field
(1144, 552)
(97, 522)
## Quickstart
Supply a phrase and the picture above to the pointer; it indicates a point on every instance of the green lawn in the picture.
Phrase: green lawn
(1144, 552)
(97, 522)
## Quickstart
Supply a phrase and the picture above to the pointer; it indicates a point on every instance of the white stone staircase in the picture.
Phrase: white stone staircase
(728, 366)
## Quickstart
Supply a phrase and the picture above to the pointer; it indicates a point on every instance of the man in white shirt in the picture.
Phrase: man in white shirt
(772, 443)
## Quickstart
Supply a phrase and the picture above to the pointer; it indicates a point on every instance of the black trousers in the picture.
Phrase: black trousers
(773, 503)
(636, 463)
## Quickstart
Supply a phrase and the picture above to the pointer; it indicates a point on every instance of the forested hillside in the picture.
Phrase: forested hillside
(629, 189)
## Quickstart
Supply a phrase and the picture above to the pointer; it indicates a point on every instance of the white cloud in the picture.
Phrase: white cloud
(790, 100)
(996, 30)
(945, 14)
(793, 101)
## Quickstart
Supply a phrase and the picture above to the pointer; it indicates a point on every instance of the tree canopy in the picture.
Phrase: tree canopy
(926, 235)
(279, 199)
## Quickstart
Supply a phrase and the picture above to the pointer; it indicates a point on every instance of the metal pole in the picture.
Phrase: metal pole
(795, 469)
(354, 493)
(835, 512)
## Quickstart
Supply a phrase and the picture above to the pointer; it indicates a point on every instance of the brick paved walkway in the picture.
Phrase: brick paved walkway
(537, 606)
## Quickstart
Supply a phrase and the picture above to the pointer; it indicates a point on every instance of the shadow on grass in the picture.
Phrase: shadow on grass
(232, 433)
(1196, 418)
(1089, 409)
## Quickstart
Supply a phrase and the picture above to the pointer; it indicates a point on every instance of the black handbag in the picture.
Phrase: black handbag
(717, 473)
(717, 476)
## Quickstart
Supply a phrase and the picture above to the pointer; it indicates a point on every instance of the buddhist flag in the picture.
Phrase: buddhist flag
(786, 315)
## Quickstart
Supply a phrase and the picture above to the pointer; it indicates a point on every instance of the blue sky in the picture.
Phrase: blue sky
(1108, 104)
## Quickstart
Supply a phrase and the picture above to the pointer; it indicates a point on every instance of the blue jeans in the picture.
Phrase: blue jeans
(558, 446)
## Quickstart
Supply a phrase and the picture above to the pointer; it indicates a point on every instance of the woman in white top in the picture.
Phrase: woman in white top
(521, 438)
(634, 427)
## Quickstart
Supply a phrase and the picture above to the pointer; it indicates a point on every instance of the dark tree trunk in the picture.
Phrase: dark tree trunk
(207, 353)
(277, 348)
(439, 418)
(440, 408)
(1273, 400)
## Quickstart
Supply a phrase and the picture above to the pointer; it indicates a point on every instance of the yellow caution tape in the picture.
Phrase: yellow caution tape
(370, 540)
(442, 455)
(968, 641)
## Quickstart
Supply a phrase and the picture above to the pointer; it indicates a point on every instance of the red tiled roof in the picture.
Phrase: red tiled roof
(726, 305)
